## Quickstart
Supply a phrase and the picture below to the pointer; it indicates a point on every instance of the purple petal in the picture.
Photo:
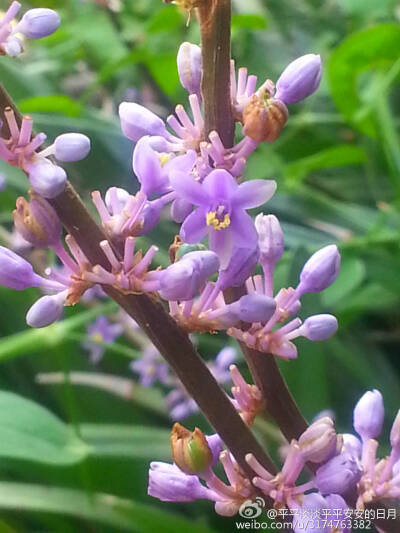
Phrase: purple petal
(188, 188)
(221, 242)
(254, 193)
(194, 229)
(147, 168)
(243, 229)
(182, 163)
(219, 184)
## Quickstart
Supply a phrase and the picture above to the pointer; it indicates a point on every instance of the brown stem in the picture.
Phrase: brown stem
(172, 342)
(215, 27)
(278, 399)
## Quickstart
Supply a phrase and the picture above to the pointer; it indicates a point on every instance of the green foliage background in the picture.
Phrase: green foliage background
(337, 165)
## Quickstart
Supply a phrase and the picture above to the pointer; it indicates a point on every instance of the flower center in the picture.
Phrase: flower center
(218, 219)
(164, 158)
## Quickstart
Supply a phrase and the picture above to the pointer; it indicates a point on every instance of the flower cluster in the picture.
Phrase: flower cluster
(344, 469)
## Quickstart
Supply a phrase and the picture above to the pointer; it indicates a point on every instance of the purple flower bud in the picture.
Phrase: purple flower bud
(302, 523)
(369, 414)
(240, 267)
(215, 444)
(169, 484)
(338, 475)
(320, 270)
(38, 23)
(319, 327)
(351, 445)
(13, 46)
(115, 199)
(255, 308)
(395, 433)
(137, 121)
(299, 79)
(270, 238)
(47, 179)
(37, 221)
(46, 310)
(15, 272)
(338, 507)
(318, 442)
(189, 67)
(71, 147)
(183, 280)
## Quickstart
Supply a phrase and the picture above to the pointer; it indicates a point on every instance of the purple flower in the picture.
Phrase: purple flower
(99, 333)
(299, 79)
(220, 366)
(189, 67)
(338, 475)
(47, 179)
(369, 414)
(270, 238)
(318, 442)
(222, 210)
(152, 169)
(150, 368)
(169, 484)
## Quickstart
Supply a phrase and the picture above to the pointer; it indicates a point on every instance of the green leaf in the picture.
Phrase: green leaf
(335, 156)
(125, 515)
(366, 50)
(249, 21)
(30, 432)
(58, 103)
(166, 20)
(138, 442)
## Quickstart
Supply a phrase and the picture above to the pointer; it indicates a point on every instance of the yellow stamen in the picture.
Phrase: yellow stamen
(97, 338)
(212, 220)
(164, 158)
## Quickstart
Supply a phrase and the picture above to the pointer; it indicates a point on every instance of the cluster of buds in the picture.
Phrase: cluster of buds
(19, 149)
(35, 24)
(344, 469)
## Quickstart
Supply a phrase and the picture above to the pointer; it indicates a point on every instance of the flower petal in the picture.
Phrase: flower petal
(182, 163)
(188, 188)
(221, 243)
(243, 230)
(147, 167)
(219, 184)
(194, 229)
(254, 193)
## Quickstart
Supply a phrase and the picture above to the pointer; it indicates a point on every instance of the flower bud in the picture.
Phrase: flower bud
(351, 445)
(369, 414)
(255, 308)
(264, 118)
(318, 442)
(319, 327)
(15, 272)
(189, 67)
(338, 475)
(320, 270)
(299, 79)
(185, 249)
(215, 444)
(395, 432)
(38, 23)
(169, 484)
(115, 200)
(71, 147)
(46, 310)
(13, 46)
(180, 209)
(137, 121)
(47, 179)
(190, 450)
(182, 280)
(240, 267)
(270, 238)
(37, 221)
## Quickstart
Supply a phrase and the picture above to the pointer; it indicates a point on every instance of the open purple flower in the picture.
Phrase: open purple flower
(222, 210)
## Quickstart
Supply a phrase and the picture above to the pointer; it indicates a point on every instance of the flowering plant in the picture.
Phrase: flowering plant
(220, 279)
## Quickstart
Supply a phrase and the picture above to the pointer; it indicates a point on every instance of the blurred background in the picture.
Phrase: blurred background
(337, 164)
